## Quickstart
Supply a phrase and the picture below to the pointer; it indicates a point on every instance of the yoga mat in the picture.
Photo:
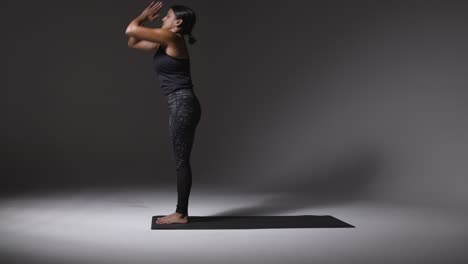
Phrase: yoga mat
(254, 222)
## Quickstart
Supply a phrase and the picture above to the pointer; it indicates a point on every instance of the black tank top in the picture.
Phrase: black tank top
(173, 73)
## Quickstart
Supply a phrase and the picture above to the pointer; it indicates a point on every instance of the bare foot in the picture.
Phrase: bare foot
(174, 218)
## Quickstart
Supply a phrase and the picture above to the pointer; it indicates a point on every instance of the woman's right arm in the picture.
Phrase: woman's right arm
(150, 13)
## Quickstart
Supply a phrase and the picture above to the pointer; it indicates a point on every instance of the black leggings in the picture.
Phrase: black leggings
(184, 116)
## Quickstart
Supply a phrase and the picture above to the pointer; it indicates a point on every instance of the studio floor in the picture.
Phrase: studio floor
(113, 226)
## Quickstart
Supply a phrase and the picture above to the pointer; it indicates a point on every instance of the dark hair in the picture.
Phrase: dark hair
(188, 20)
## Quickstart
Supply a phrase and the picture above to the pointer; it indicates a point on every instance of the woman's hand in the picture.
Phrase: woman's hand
(150, 12)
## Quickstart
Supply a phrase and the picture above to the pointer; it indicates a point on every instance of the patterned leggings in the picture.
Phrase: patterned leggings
(184, 116)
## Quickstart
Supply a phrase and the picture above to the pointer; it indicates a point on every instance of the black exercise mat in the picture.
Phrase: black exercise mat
(254, 222)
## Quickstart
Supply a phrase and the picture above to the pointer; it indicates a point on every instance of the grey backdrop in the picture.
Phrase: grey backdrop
(338, 99)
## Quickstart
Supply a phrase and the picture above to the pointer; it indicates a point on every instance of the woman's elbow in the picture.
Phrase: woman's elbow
(128, 30)
(129, 42)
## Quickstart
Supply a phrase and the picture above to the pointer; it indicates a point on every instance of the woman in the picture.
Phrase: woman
(172, 65)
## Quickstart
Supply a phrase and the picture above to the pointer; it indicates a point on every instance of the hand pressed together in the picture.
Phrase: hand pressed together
(150, 13)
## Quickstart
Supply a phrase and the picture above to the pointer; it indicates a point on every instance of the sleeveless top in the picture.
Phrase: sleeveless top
(173, 73)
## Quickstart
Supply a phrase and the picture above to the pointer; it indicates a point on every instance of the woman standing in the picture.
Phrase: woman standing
(172, 65)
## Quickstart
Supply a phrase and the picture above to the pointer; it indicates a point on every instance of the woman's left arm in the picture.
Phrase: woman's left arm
(162, 36)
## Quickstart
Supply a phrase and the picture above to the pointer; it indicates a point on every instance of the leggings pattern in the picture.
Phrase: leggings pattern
(184, 116)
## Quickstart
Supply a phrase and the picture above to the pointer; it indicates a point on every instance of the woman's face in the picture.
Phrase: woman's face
(169, 21)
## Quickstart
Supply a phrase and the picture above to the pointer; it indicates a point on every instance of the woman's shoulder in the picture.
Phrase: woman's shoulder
(176, 49)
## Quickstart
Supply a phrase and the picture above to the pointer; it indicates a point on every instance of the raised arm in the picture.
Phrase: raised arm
(139, 32)
(162, 36)
(144, 45)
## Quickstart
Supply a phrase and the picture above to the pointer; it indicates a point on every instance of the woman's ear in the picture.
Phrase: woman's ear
(179, 22)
